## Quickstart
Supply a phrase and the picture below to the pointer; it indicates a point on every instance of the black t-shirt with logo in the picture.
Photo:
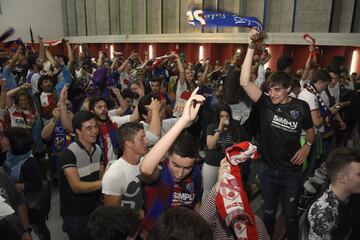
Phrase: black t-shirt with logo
(281, 126)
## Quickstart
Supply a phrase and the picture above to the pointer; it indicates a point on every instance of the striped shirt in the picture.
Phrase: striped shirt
(209, 212)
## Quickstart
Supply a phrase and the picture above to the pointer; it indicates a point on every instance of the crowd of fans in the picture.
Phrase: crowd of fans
(139, 147)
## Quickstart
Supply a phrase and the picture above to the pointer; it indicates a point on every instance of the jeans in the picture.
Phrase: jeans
(75, 227)
(274, 182)
(41, 230)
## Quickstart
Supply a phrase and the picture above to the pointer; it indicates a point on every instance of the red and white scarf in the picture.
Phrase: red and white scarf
(51, 43)
(316, 53)
(232, 201)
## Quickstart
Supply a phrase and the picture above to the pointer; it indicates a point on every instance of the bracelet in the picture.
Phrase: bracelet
(308, 144)
(252, 45)
(218, 131)
(28, 230)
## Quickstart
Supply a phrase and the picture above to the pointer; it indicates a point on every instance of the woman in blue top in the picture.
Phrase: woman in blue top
(25, 172)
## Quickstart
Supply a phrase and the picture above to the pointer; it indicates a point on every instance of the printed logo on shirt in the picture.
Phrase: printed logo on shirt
(133, 195)
(190, 187)
(284, 124)
(183, 198)
(295, 114)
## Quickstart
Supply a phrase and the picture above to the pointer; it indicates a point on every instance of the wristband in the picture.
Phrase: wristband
(218, 130)
(308, 144)
(28, 230)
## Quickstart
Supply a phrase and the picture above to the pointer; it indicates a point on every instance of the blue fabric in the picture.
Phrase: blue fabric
(222, 19)
(103, 82)
(67, 80)
(13, 164)
(161, 194)
(36, 133)
(10, 80)
(12, 160)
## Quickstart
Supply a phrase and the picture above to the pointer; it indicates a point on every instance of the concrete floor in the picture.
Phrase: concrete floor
(55, 221)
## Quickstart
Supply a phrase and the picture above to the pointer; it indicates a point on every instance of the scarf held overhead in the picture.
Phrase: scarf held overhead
(232, 202)
(221, 19)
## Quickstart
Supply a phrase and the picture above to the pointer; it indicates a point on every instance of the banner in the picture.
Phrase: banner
(221, 19)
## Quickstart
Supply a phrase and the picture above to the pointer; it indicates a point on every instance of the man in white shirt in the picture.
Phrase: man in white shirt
(122, 183)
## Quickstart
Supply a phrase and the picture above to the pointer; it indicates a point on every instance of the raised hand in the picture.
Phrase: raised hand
(116, 91)
(56, 113)
(26, 86)
(253, 34)
(192, 106)
(64, 94)
(154, 105)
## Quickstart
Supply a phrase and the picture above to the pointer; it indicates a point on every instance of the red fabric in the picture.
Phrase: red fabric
(160, 59)
(185, 95)
(316, 53)
(104, 133)
(232, 201)
(48, 104)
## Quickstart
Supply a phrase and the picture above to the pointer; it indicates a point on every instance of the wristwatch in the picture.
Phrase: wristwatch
(308, 144)
(28, 229)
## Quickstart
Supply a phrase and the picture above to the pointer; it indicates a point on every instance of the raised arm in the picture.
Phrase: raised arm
(65, 116)
(3, 94)
(41, 48)
(47, 131)
(51, 58)
(14, 58)
(118, 96)
(12, 92)
(212, 139)
(115, 60)
(100, 59)
(148, 167)
(250, 88)
(203, 78)
(155, 123)
(123, 65)
(70, 53)
(307, 65)
(180, 68)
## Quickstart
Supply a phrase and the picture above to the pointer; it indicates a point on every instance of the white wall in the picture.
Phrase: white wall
(44, 16)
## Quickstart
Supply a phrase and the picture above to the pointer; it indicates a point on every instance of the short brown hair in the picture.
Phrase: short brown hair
(340, 158)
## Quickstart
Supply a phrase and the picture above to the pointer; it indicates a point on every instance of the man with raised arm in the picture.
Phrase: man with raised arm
(282, 120)
(177, 180)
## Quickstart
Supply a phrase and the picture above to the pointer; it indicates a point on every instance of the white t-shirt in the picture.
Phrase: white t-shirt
(303, 82)
(22, 118)
(241, 111)
(34, 82)
(123, 179)
(124, 80)
(165, 127)
(313, 103)
(335, 92)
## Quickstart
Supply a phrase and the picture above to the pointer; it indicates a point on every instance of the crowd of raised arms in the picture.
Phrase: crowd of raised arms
(149, 148)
